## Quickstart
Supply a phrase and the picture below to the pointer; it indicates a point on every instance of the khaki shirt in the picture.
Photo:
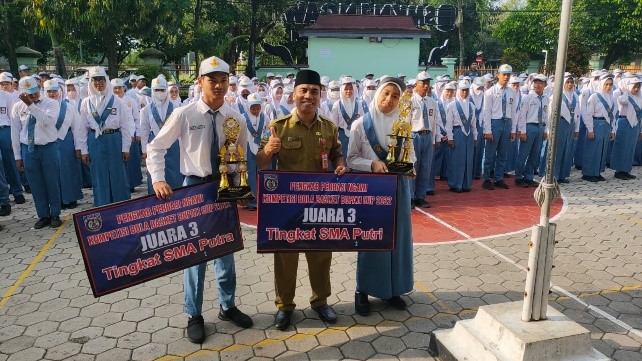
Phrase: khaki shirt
(301, 147)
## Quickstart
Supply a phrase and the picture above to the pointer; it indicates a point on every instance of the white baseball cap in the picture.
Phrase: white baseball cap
(423, 76)
(29, 85)
(51, 85)
(159, 83)
(505, 69)
(96, 71)
(254, 99)
(117, 82)
(212, 65)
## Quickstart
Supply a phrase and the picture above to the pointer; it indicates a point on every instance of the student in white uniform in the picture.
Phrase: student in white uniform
(423, 118)
(600, 122)
(34, 139)
(628, 128)
(531, 131)
(346, 110)
(199, 126)
(9, 176)
(461, 130)
(256, 123)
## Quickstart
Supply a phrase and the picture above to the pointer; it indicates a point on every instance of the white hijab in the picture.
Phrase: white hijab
(383, 122)
(99, 99)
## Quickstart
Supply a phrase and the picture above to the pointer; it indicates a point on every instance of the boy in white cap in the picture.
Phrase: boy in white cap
(106, 139)
(513, 149)
(532, 131)
(23, 71)
(34, 138)
(424, 119)
(199, 126)
(256, 123)
(500, 107)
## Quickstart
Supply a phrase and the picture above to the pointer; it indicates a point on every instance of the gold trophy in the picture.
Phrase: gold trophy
(231, 153)
(401, 140)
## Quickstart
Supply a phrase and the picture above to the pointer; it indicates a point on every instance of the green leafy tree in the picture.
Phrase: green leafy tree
(516, 58)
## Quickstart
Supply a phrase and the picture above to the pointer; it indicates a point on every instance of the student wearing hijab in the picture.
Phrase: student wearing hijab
(152, 119)
(600, 120)
(461, 130)
(369, 89)
(477, 97)
(9, 175)
(34, 139)
(440, 164)
(384, 275)
(567, 132)
(346, 110)
(106, 140)
(332, 97)
(628, 128)
(257, 123)
(132, 110)
(287, 103)
(73, 95)
(174, 94)
(243, 90)
(513, 149)
(68, 125)
(273, 108)
(532, 131)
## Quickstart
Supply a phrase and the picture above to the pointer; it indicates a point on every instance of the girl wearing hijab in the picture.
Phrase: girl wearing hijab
(440, 164)
(152, 118)
(132, 109)
(600, 118)
(325, 108)
(628, 128)
(75, 99)
(67, 124)
(567, 132)
(273, 109)
(477, 97)
(287, 100)
(243, 90)
(106, 142)
(385, 275)
(369, 88)
(461, 130)
(257, 123)
(346, 110)
(174, 94)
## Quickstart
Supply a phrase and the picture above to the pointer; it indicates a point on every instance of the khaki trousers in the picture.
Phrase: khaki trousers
(285, 269)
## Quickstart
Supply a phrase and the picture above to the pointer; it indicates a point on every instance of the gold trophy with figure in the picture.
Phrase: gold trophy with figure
(400, 145)
(232, 153)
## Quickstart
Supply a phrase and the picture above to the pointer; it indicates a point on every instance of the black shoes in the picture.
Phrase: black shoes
(532, 183)
(361, 304)
(624, 175)
(488, 185)
(326, 313)
(42, 223)
(397, 303)
(600, 178)
(71, 205)
(590, 178)
(236, 316)
(430, 193)
(521, 183)
(563, 180)
(456, 190)
(5, 210)
(501, 184)
(27, 189)
(55, 222)
(196, 329)
(421, 203)
(19, 199)
(282, 319)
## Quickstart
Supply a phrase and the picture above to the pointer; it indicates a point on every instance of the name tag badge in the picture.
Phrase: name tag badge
(114, 111)
(3, 110)
(430, 112)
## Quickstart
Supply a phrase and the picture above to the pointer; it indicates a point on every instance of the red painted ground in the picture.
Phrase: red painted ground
(478, 213)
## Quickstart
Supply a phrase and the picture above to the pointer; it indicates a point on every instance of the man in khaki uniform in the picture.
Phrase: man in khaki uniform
(303, 141)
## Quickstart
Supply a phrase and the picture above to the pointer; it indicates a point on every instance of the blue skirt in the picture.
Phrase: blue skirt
(70, 170)
(384, 274)
(595, 149)
(173, 175)
(626, 139)
(460, 169)
(134, 173)
(107, 168)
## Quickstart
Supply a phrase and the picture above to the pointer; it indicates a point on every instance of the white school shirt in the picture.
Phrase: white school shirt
(493, 106)
(585, 94)
(6, 103)
(360, 153)
(416, 113)
(337, 116)
(595, 109)
(148, 123)
(454, 120)
(626, 109)
(565, 113)
(46, 113)
(192, 125)
(254, 120)
(118, 119)
(530, 111)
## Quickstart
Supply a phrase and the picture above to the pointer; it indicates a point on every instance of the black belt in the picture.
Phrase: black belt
(536, 123)
(501, 119)
(106, 131)
(4, 126)
(203, 179)
(425, 131)
(599, 118)
(457, 126)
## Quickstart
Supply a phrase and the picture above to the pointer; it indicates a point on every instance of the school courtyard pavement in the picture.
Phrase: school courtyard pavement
(47, 310)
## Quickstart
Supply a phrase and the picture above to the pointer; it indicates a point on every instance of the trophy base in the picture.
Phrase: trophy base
(234, 193)
(400, 167)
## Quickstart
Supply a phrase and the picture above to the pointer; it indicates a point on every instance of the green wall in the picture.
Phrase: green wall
(334, 57)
